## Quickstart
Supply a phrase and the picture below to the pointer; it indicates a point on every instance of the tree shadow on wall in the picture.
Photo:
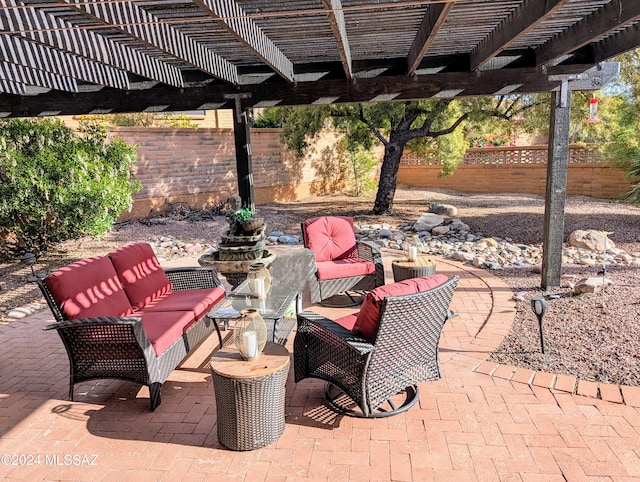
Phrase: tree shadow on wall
(330, 173)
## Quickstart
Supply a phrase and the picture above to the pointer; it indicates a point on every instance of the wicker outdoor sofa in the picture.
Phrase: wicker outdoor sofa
(122, 316)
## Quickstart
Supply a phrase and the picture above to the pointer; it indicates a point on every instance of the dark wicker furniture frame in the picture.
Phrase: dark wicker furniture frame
(324, 289)
(251, 411)
(117, 347)
(404, 353)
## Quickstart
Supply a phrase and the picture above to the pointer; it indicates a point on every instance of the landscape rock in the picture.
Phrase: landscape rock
(289, 239)
(427, 222)
(489, 242)
(592, 285)
(19, 313)
(443, 209)
(439, 230)
(591, 239)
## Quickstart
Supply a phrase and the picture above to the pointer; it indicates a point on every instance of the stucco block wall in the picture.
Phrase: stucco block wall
(595, 180)
(198, 167)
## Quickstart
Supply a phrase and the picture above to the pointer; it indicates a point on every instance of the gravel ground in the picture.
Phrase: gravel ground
(592, 337)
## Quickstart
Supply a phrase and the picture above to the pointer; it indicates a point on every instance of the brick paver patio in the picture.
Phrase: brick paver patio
(481, 421)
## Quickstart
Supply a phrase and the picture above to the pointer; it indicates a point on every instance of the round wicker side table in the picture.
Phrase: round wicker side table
(404, 269)
(250, 396)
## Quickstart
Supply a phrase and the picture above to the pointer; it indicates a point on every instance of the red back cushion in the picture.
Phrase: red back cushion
(330, 237)
(88, 288)
(142, 277)
(369, 317)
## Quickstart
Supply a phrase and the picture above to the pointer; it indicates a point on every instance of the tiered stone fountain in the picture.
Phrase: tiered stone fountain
(241, 245)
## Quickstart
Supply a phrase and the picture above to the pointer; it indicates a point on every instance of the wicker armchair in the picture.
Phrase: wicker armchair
(370, 373)
(342, 263)
(117, 347)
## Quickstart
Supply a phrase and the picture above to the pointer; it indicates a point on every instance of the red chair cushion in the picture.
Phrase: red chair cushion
(199, 301)
(142, 277)
(348, 321)
(330, 237)
(163, 328)
(368, 319)
(344, 268)
(89, 288)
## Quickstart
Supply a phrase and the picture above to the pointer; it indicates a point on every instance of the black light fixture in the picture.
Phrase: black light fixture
(539, 306)
(29, 259)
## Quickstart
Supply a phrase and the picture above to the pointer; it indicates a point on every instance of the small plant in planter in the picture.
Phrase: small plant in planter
(245, 221)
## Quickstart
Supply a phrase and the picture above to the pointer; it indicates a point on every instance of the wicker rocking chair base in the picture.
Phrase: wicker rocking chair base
(344, 404)
(350, 298)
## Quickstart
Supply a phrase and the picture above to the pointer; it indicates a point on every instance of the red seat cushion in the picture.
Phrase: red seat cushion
(89, 288)
(344, 268)
(348, 321)
(199, 301)
(142, 277)
(330, 237)
(368, 319)
(163, 328)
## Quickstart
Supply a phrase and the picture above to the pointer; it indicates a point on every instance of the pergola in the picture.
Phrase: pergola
(62, 57)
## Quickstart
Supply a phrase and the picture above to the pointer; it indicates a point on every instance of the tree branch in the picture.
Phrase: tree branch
(373, 129)
(453, 127)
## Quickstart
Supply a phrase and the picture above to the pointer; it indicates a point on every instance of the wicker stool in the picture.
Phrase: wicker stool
(250, 396)
(404, 269)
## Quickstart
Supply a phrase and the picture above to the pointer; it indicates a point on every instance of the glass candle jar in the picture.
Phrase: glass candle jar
(259, 279)
(250, 334)
(412, 247)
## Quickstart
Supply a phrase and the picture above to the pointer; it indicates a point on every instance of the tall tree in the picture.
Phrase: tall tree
(624, 150)
(396, 125)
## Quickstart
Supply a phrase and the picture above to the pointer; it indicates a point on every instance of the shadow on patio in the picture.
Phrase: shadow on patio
(466, 426)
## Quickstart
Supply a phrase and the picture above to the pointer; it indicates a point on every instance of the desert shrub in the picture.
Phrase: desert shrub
(359, 165)
(56, 184)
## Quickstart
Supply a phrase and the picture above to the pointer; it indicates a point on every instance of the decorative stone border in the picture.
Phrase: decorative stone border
(609, 392)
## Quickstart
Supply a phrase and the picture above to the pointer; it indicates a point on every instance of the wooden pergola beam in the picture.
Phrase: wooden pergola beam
(339, 29)
(431, 22)
(11, 87)
(30, 54)
(307, 93)
(29, 76)
(136, 22)
(233, 18)
(32, 24)
(556, 188)
(587, 30)
(523, 19)
(617, 44)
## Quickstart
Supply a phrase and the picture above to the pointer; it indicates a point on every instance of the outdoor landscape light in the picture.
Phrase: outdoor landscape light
(29, 259)
(539, 306)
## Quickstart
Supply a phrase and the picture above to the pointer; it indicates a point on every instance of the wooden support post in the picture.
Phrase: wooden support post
(557, 166)
(244, 168)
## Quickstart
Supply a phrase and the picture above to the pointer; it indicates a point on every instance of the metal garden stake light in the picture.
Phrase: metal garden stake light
(539, 306)
(29, 259)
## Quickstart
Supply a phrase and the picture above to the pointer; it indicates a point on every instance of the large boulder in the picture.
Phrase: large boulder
(591, 239)
(443, 209)
(428, 221)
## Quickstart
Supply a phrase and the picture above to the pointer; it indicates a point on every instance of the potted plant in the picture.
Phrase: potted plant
(245, 221)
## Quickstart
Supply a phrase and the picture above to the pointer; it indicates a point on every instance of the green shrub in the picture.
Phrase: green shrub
(57, 185)
(360, 164)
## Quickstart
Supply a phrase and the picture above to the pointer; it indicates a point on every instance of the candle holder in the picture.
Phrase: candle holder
(250, 334)
(412, 247)
(259, 279)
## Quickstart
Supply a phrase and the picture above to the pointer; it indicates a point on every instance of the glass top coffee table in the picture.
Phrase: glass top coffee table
(290, 272)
